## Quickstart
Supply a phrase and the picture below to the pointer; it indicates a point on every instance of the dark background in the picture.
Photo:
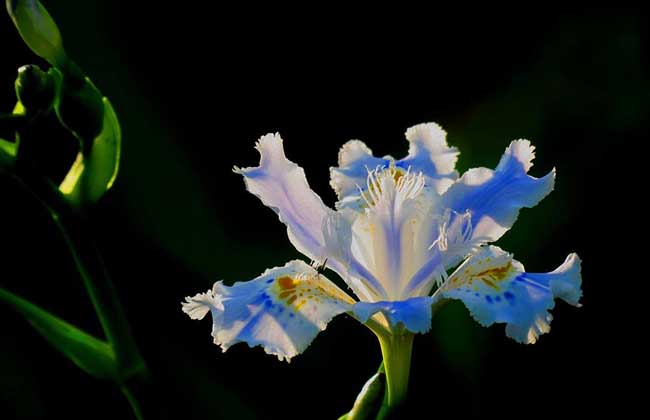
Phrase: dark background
(195, 86)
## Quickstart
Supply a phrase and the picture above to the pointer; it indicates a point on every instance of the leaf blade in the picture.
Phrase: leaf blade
(369, 402)
(90, 354)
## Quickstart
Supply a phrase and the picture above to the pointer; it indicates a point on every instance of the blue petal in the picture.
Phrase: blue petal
(355, 160)
(430, 154)
(282, 310)
(494, 198)
(495, 288)
(281, 185)
(413, 313)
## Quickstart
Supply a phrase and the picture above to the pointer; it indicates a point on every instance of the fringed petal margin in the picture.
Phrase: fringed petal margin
(430, 154)
(282, 186)
(282, 310)
(496, 289)
(494, 198)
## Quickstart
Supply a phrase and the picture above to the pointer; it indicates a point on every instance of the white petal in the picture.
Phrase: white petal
(494, 198)
(339, 241)
(384, 244)
(430, 154)
(281, 185)
(198, 306)
(282, 310)
(355, 160)
(495, 288)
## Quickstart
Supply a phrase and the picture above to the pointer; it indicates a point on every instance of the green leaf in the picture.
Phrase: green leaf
(8, 147)
(370, 399)
(91, 176)
(7, 154)
(79, 105)
(38, 29)
(92, 355)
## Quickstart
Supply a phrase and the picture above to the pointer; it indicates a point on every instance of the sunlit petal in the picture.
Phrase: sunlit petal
(355, 160)
(414, 313)
(282, 310)
(430, 154)
(281, 185)
(495, 288)
(494, 198)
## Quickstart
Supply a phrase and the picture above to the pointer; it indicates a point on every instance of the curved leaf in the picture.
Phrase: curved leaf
(38, 29)
(370, 400)
(92, 355)
(90, 177)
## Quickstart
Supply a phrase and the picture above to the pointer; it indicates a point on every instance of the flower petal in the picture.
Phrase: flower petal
(199, 305)
(384, 245)
(355, 160)
(282, 310)
(494, 198)
(413, 313)
(430, 154)
(281, 185)
(495, 288)
(339, 241)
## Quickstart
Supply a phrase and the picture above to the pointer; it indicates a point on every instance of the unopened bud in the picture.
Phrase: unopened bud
(35, 89)
(38, 29)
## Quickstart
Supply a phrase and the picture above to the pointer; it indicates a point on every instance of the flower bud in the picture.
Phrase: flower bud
(38, 29)
(35, 89)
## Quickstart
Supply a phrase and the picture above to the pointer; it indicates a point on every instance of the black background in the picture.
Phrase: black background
(195, 86)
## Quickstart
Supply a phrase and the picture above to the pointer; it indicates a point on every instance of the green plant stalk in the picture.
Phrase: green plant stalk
(133, 402)
(396, 349)
(91, 268)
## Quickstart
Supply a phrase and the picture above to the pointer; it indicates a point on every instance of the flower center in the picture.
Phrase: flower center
(386, 233)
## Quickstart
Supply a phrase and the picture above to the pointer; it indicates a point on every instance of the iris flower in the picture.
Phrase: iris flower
(399, 227)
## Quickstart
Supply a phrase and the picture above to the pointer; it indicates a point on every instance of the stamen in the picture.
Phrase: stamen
(393, 184)
(454, 237)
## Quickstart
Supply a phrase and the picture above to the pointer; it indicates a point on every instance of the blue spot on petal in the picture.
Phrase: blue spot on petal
(489, 299)
(498, 298)
(269, 281)
(477, 294)
(292, 315)
(509, 296)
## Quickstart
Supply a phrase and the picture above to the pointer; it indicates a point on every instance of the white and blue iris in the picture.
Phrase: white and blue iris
(398, 229)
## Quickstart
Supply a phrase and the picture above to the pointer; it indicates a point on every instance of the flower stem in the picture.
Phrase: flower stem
(92, 271)
(133, 402)
(396, 351)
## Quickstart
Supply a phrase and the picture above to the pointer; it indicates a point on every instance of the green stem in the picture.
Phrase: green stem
(396, 349)
(91, 268)
(133, 402)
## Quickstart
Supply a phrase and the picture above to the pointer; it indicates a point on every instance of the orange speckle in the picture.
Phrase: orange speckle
(490, 283)
(498, 273)
(285, 294)
(292, 299)
(286, 282)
